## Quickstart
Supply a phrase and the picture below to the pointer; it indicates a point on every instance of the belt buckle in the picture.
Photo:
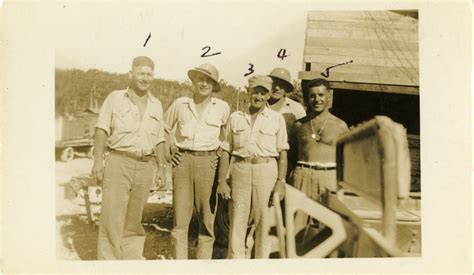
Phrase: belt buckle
(254, 161)
(143, 158)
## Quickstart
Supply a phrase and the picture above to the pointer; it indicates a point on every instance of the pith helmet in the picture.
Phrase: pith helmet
(283, 74)
(207, 70)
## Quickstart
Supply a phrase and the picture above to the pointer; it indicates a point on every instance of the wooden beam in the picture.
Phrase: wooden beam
(358, 52)
(358, 60)
(341, 25)
(360, 44)
(360, 16)
(359, 86)
(379, 71)
(370, 87)
(377, 33)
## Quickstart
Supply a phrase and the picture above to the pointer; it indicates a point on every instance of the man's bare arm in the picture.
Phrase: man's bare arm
(282, 165)
(100, 138)
(223, 188)
(160, 177)
(280, 183)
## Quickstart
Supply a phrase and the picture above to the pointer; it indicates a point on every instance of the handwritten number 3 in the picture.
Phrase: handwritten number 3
(251, 71)
(207, 49)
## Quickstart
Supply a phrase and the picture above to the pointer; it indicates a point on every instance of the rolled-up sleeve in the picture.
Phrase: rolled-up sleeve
(281, 135)
(227, 142)
(104, 121)
(171, 116)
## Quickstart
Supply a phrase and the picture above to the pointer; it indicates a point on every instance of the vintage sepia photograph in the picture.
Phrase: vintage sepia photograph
(292, 138)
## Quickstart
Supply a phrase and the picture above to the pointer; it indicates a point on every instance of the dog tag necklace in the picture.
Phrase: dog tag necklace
(317, 136)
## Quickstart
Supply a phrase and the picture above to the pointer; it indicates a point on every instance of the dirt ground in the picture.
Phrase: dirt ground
(77, 240)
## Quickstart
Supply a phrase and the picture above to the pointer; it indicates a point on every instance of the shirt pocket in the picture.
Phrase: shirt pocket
(123, 121)
(267, 137)
(212, 129)
(186, 129)
(240, 136)
(153, 125)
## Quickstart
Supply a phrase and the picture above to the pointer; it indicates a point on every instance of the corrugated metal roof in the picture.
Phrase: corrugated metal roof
(377, 47)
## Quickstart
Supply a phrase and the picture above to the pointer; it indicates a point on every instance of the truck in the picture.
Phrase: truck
(74, 134)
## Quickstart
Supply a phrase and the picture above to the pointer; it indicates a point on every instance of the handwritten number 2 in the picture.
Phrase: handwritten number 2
(251, 71)
(207, 49)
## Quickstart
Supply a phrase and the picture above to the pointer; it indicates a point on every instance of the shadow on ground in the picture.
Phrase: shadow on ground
(79, 240)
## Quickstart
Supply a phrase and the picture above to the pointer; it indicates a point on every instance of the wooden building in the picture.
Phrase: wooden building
(371, 60)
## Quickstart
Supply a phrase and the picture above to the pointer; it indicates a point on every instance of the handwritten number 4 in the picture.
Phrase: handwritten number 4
(282, 54)
(206, 50)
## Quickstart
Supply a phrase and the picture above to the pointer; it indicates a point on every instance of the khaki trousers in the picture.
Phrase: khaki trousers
(315, 184)
(193, 181)
(251, 186)
(125, 189)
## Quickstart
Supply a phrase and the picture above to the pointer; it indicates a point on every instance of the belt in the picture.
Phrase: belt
(316, 167)
(199, 153)
(133, 156)
(254, 160)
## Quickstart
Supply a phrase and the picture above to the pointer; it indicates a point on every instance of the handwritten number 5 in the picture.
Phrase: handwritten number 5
(251, 71)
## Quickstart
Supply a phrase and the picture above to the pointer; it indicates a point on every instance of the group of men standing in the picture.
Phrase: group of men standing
(247, 153)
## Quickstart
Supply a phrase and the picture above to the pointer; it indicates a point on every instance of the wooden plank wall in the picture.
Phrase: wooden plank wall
(383, 46)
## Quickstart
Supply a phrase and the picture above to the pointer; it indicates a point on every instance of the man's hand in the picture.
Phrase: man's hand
(174, 157)
(160, 179)
(278, 188)
(223, 190)
(215, 163)
(98, 171)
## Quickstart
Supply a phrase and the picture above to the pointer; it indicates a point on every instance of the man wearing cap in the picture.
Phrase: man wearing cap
(290, 109)
(317, 133)
(130, 124)
(256, 139)
(198, 122)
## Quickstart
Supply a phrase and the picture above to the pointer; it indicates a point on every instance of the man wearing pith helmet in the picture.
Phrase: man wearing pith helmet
(198, 122)
(130, 124)
(278, 100)
(290, 109)
(256, 140)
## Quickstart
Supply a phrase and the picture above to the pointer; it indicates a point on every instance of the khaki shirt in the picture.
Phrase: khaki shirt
(292, 107)
(194, 132)
(266, 138)
(120, 118)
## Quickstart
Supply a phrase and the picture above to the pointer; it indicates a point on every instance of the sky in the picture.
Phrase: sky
(108, 36)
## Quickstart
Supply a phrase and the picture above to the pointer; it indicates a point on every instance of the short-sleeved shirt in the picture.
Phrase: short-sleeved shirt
(267, 137)
(120, 118)
(290, 106)
(194, 132)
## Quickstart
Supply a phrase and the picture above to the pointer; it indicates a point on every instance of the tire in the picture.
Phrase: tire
(67, 154)
(222, 223)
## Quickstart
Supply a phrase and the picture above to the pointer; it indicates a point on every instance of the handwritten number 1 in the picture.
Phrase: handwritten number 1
(148, 38)
(207, 49)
